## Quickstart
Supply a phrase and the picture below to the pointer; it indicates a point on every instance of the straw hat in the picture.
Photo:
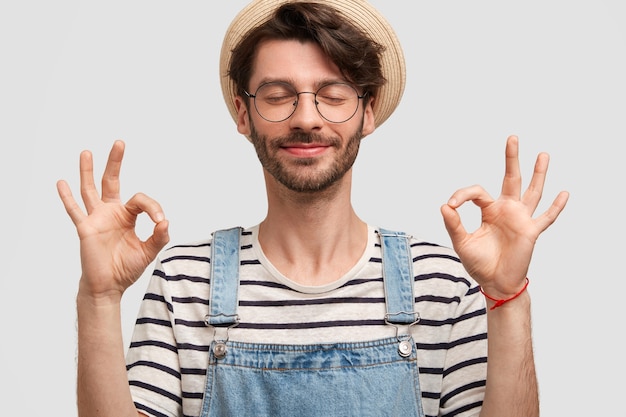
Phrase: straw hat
(360, 13)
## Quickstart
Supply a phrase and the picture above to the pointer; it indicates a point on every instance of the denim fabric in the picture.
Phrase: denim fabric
(344, 379)
(224, 267)
(398, 277)
(355, 379)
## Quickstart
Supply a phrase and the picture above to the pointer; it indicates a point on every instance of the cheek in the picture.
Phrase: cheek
(261, 127)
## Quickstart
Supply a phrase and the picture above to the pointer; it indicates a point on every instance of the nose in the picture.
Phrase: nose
(306, 116)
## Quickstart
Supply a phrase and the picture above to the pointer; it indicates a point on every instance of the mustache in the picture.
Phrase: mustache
(304, 137)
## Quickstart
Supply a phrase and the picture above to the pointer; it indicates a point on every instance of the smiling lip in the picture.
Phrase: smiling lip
(305, 149)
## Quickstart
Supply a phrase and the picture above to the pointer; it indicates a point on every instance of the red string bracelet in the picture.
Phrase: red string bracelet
(500, 302)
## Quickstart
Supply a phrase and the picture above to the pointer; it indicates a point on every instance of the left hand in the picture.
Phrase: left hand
(497, 255)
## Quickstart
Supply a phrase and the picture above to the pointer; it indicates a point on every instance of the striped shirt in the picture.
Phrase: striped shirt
(168, 356)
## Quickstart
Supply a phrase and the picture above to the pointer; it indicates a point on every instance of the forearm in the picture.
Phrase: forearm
(511, 379)
(102, 385)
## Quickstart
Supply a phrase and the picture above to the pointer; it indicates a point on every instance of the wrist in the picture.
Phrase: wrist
(495, 301)
(86, 296)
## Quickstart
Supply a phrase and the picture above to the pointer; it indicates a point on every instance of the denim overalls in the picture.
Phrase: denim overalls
(374, 378)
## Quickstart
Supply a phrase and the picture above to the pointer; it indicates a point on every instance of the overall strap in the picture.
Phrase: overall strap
(398, 277)
(223, 299)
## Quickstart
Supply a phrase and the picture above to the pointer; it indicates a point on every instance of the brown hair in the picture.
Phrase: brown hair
(356, 55)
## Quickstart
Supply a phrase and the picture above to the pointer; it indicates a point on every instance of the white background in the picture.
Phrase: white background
(77, 75)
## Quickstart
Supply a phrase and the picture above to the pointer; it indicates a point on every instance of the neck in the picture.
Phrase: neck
(312, 238)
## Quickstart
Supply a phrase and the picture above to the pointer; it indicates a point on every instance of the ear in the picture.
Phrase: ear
(369, 125)
(243, 119)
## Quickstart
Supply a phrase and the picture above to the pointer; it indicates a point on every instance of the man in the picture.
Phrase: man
(313, 311)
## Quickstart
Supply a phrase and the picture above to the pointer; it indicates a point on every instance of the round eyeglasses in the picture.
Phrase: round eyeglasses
(277, 101)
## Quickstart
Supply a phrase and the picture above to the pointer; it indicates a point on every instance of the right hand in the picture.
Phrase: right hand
(113, 257)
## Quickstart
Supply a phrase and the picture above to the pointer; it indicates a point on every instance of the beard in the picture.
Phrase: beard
(300, 175)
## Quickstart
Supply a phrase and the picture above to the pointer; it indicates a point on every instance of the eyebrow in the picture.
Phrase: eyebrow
(320, 83)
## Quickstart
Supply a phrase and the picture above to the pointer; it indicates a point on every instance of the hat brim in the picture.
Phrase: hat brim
(360, 13)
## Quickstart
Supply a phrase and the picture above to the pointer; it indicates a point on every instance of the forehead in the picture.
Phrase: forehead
(302, 64)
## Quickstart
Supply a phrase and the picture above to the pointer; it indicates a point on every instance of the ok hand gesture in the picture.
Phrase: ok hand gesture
(112, 255)
(498, 253)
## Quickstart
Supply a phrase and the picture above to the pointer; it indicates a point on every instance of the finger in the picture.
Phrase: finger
(454, 226)
(533, 194)
(551, 214)
(475, 193)
(111, 176)
(88, 190)
(141, 203)
(512, 183)
(158, 240)
(71, 207)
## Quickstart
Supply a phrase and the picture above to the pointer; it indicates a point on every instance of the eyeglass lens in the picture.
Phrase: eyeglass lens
(277, 101)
